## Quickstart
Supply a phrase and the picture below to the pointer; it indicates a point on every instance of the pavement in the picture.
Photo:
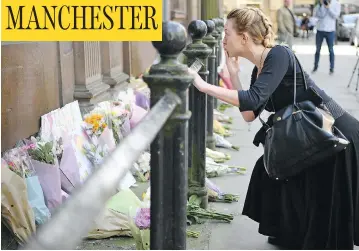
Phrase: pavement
(242, 232)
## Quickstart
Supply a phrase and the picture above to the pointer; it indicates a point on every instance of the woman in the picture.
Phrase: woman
(318, 208)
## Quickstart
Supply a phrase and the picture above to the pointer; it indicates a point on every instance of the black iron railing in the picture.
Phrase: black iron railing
(176, 147)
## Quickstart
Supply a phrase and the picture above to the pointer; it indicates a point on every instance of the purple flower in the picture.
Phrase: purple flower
(142, 219)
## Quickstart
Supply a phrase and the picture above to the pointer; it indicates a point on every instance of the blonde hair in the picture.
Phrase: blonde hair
(256, 23)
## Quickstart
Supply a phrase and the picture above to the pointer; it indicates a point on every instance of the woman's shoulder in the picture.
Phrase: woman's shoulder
(279, 51)
(278, 58)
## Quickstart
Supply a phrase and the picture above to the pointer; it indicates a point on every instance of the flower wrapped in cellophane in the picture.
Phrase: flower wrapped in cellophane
(216, 195)
(19, 162)
(95, 124)
(95, 153)
(46, 165)
(141, 168)
(111, 115)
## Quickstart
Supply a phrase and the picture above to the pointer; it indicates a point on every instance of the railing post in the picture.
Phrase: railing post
(197, 168)
(215, 34)
(169, 150)
(211, 42)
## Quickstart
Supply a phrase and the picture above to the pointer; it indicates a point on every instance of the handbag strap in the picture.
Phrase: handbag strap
(295, 61)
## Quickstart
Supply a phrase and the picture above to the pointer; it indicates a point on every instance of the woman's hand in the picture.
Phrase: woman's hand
(198, 81)
(232, 64)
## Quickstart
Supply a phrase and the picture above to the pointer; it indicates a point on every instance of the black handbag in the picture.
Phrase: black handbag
(301, 136)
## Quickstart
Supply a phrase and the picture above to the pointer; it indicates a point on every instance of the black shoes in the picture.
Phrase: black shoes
(331, 71)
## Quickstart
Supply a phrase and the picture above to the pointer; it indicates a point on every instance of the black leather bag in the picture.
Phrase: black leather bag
(301, 136)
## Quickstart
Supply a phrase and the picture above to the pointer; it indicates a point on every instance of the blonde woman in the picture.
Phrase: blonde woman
(318, 208)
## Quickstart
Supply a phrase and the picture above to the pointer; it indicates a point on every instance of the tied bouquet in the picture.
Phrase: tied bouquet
(95, 153)
(19, 162)
(140, 228)
(45, 162)
(95, 124)
(42, 152)
(120, 121)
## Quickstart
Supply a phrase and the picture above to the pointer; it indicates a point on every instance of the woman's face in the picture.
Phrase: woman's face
(233, 42)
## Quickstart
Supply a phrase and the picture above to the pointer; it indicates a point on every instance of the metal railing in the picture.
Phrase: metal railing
(74, 219)
(172, 141)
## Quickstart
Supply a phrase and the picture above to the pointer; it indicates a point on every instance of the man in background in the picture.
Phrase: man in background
(286, 24)
(327, 12)
(305, 26)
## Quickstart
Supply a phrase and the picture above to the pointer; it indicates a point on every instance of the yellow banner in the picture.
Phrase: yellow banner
(81, 20)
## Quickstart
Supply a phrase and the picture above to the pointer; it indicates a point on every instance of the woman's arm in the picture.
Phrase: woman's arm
(228, 96)
(274, 69)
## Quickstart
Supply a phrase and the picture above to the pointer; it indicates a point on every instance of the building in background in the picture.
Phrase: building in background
(38, 77)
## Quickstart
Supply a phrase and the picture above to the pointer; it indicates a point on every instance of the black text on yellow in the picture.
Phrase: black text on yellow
(67, 17)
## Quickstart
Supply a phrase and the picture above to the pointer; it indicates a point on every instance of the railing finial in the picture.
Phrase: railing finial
(174, 39)
(197, 29)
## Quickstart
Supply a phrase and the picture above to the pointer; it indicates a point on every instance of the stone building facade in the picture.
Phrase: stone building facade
(38, 77)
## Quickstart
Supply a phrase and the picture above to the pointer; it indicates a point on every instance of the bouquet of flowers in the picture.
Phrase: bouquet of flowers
(214, 169)
(42, 151)
(141, 168)
(120, 121)
(216, 195)
(95, 124)
(196, 214)
(16, 212)
(140, 228)
(95, 153)
(47, 168)
(19, 162)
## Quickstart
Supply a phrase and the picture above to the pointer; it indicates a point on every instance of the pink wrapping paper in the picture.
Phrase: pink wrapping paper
(69, 170)
(138, 114)
(49, 177)
(126, 127)
(107, 138)
(64, 196)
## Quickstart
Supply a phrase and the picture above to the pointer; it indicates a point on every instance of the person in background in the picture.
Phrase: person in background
(305, 26)
(327, 12)
(286, 24)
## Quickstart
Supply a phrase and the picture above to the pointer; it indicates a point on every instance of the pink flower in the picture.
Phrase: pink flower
(30, 146)
(143, 218)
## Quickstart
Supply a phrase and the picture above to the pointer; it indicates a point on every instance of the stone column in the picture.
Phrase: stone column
(89, 87)
(112, 66)
(210, 9)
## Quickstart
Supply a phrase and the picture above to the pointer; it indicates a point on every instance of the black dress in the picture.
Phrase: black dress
(319, 208)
